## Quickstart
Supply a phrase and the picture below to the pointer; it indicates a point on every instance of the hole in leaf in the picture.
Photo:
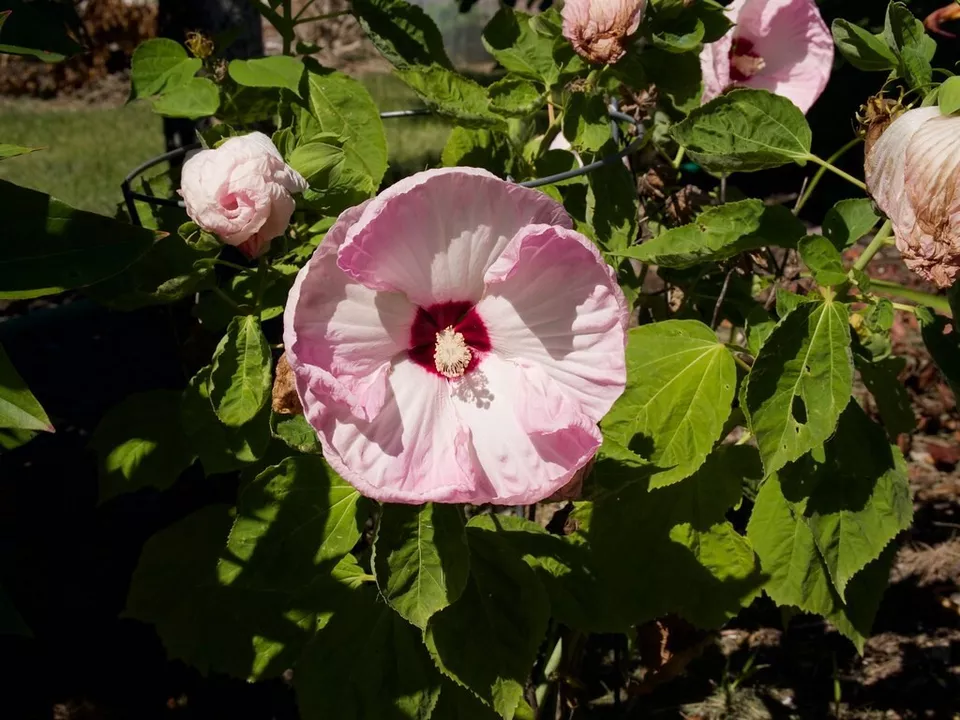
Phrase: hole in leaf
(806, 369)
(799, 410)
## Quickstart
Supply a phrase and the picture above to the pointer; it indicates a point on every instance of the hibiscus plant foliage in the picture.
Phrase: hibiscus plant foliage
(730, 461)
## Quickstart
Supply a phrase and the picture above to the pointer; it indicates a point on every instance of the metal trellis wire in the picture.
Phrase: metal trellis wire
(130, 196)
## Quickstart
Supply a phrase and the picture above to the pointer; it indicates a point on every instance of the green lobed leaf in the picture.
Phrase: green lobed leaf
(882, 378)
(787, 301)
(241, 378)
(678, 77)
(586, 123)
(488, 639)
(515, 97)
(512, 38)
(862, 49)
(823, 259)
(908, 37)
(50, 247)
(160, 65)
(317, 161)
(848, 221)
(680, 386)
(246, 631)
(689, 559)
(340, 105)
(720, 233)
(140, 443)
(402, 32)
(800, 383)
(196, 98)
(797, 575)
(488, 149)
(855, 499)
(19, 409)
(613, 210)
(458, 703)
(9, 151)
(420, 559)
(366, 663)
(276, 71)
(294, 522)
(563, 567)
(949, 96)
(745, 130)
(452, 95)
(296, 433)
(221, 449)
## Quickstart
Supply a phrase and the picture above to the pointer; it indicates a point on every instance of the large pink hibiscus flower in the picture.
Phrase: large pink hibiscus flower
(453, 340)
(778, 45)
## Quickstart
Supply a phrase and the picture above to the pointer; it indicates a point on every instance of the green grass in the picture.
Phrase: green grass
(88, 151)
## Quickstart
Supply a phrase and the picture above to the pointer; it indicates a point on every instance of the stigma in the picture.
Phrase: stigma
(451, 355)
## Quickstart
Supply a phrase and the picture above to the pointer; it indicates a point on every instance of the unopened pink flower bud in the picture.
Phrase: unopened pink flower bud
(241, 192)
(913, 173)
(600, 30)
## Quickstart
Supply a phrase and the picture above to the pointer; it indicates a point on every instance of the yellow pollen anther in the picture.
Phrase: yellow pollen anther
(451, 354)
(747, 65)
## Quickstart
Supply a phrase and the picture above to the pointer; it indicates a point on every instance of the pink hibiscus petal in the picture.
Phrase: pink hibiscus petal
(528, 436)
(340, 334)
(432, 236)
(790, 43)
(415, 450)
(552, 300)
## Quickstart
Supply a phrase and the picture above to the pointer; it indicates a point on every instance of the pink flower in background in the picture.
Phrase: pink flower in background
(600, 30)
(913, 173)
(453, 340)
(241, 192)
(778, 45)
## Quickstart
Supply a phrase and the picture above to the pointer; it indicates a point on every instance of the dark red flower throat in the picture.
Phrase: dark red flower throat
(431, 321)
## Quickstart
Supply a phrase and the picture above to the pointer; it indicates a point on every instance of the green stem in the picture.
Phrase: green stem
(227, 263)
(837, 171)
(820, 173)
(306, 6)
(879, 240)
(328, 16)
(226, 298)
(937, 302)
(262, 268)
(287, 30)
(678, 160)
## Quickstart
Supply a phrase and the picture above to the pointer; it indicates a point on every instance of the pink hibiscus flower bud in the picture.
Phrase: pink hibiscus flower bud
(241, 192)
(454, 340)
(778, 45)
(913, 173)
(600, 30)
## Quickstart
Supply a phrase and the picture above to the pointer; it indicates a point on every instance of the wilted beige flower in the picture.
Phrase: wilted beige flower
(913, 173)
(600, 29)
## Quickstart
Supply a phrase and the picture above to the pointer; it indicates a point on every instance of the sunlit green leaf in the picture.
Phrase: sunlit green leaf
(515, 43)
(848, 221)
(488, 639)
(800, 383)
(680, 386)
(745, 130)
(140, 443)
(275, 71)
(241, 378)
(160, 65)
(863, 49)
(421, 559)
(823, 259)
(720, 233)
(402, 32)
(50, 247)
(196, 98)
(19, 409)
(452, 95)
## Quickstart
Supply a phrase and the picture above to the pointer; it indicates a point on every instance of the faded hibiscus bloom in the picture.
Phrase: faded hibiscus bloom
(600, 30)
(453, 340)
(778, 45)
(913, 173)
(241, 192)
